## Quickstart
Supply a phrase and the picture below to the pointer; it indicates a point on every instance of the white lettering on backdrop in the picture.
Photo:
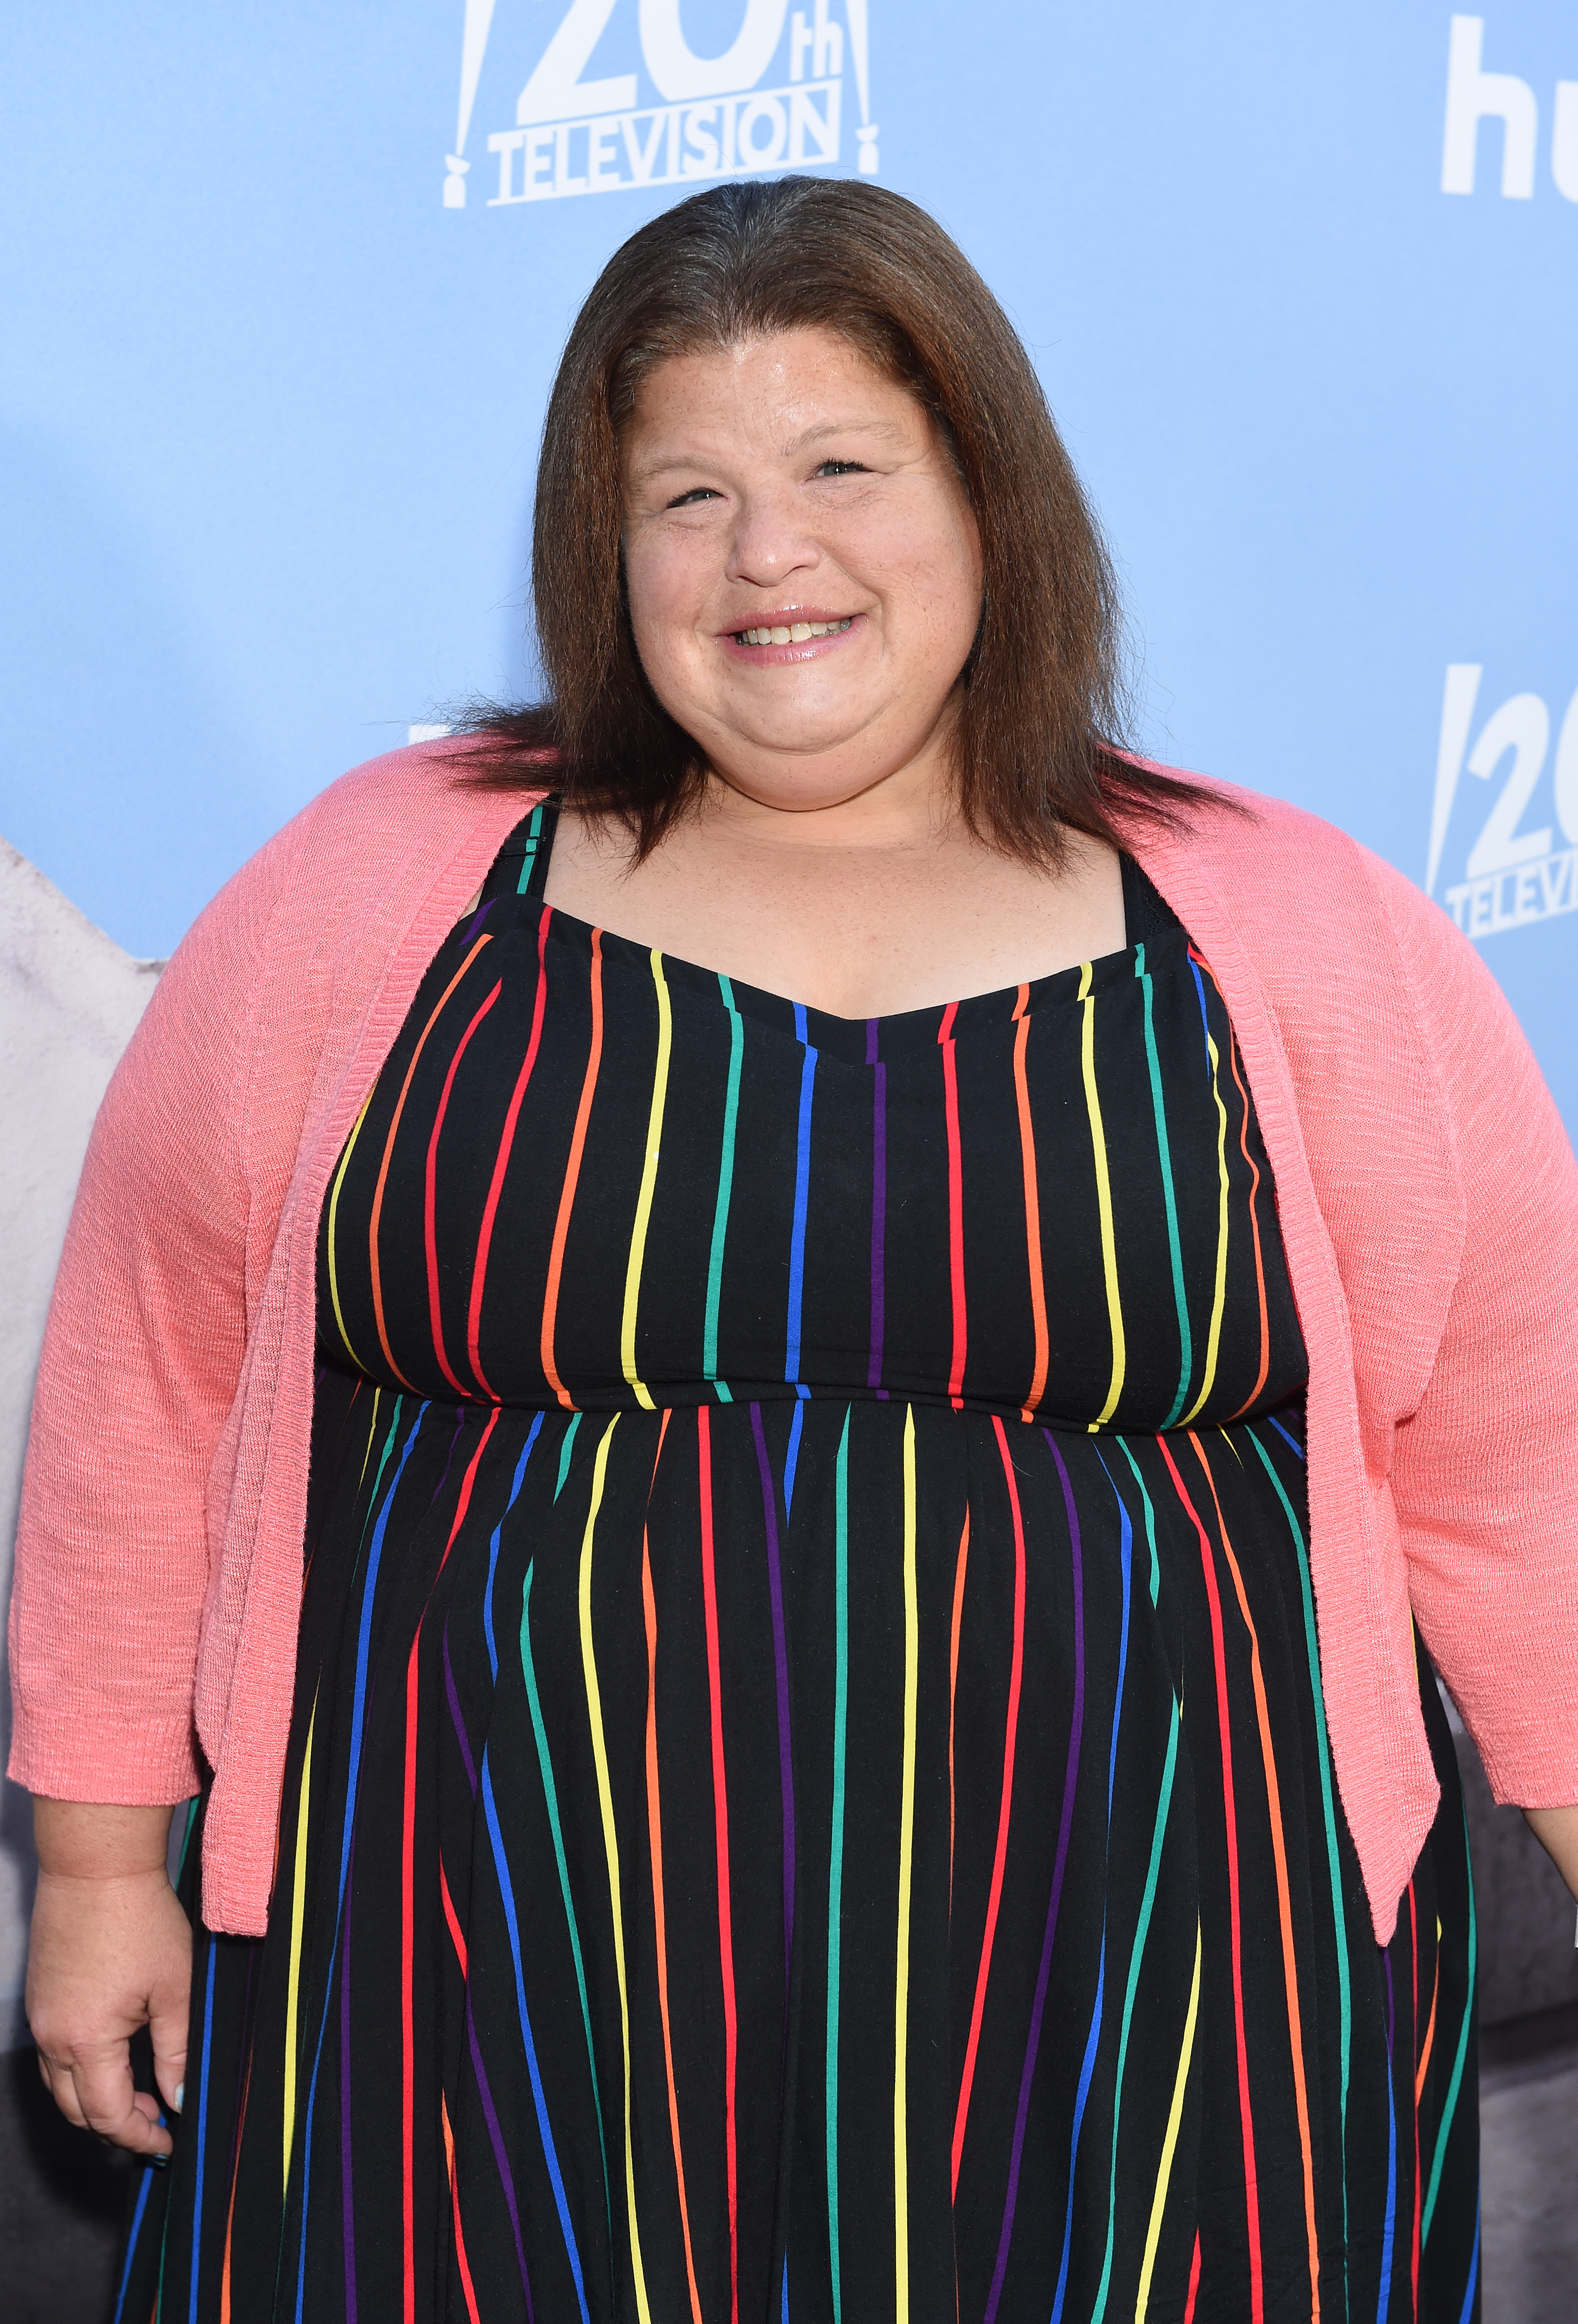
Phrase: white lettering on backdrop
(1475, 96)
(579, 131)
(1511, 877)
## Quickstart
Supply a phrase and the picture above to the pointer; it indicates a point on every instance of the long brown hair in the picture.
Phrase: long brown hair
(1038, 747)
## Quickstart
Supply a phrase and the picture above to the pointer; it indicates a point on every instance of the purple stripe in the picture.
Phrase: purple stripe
(878, 1202)
(780, 1667)
(348, 2193)
(459, 1723)
(476, 922)
(1065, 1825)
(490, 2117)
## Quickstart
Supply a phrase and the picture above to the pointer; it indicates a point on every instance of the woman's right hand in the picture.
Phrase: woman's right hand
(111, 1950)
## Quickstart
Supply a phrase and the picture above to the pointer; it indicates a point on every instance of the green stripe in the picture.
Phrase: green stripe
(1444, 2134)
(836, 1861)
(1140, 1931)
(725, 1187)
(1186, 1340)
(533, 833)
(565, 1453)
(1149, 1520)
(550, 1792)
(1339, 1915)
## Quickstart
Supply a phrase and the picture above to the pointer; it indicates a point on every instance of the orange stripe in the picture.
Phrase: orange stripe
(1010, 1738)
(408, 1900)
(955, 1206)
(430, 1191)
(1230, 1808)
(1284, 1896)
(389, 1149)
(964, 1551)
(720, 1818)
(571, 1173)
(452, 1918)
(659, 1918)
(501, 1160)
(1254, 1225)
(465, 2272)
(1032, 1209)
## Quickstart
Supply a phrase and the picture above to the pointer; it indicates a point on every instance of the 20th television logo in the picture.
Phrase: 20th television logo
(774, 98)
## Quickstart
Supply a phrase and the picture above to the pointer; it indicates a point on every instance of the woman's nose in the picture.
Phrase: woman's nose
(770, 539)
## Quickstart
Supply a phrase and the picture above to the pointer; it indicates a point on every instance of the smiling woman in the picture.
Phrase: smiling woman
(783, 1485)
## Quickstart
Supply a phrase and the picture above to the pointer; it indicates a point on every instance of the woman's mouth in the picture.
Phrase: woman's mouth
(790, 633)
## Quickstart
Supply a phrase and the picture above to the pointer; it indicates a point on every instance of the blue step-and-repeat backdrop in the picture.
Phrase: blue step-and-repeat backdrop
(284, 288)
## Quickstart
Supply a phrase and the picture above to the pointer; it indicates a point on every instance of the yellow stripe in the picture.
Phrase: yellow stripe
(901, 2151)
(372, 1439)
(333, 1214)
(1103, 1200)
(1219, 1295)
(648, 1181)
(298, 1916)
(611, 1842)
(1153, 2233)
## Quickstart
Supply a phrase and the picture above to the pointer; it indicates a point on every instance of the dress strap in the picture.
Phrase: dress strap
(521, 868)
(1148, 916)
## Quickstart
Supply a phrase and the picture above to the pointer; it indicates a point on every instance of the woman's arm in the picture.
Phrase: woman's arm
(1556, 1830)
(111, 1950)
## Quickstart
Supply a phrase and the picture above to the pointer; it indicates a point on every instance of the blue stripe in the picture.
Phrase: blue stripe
(358, 1717)
(202, 2128)
(1388, 2237)
(550, 2153)
(802, 1198)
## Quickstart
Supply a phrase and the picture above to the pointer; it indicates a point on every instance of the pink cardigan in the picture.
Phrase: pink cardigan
(1428, 1203)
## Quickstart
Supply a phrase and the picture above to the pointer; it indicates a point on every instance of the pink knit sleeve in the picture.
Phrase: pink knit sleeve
(1486, 1472)
(140, 1359)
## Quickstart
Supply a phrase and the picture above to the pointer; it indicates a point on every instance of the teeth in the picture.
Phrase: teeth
(794, 633)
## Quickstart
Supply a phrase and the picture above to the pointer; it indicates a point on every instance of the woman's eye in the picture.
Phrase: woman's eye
(843, 468)
(689, 500)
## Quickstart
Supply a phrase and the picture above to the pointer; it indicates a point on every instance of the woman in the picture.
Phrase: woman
(802, 1780)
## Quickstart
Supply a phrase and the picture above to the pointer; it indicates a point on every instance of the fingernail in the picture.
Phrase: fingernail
(158, 2161)
(180, 2096)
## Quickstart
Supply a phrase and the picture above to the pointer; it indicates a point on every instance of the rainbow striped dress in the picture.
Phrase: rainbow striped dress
(809, 1799)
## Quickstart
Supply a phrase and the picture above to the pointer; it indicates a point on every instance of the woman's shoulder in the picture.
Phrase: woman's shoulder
(1297, 886)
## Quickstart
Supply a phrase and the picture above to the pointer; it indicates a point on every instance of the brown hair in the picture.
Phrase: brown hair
(1038, 737)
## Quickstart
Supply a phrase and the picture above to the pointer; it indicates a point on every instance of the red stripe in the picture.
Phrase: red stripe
(430, 1195)
(659, 1911)
(955, 1206)
(1194, 2282)
(964, 1552)
(378, 1315)
(500, 1161)
(571, 1175)
(1010, 1738)
(1413, 2045)
(1246, 2117)
(720, 1818)
(408, 1903)
(460, 2252)
(1284, 1900)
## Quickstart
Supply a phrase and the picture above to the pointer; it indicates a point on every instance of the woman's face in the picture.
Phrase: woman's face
(803, 569)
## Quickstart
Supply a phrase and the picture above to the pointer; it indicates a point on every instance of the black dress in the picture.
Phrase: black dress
(809, 1795)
